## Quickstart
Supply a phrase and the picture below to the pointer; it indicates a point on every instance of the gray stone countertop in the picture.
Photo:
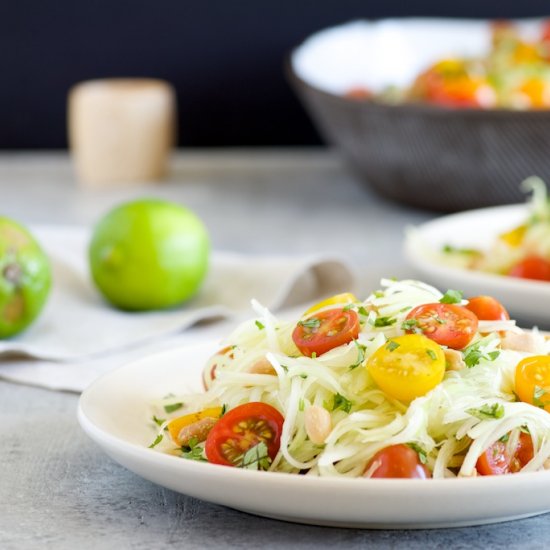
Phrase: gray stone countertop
(58, 490)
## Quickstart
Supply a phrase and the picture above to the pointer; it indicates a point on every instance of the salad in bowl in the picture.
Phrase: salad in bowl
(408, 383)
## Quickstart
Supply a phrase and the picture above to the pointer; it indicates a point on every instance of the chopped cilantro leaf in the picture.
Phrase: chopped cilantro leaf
(158, 421)
(451, 297)
(193, 451)
(360, 355)
(259, 325)
(538, 394)
(473, 355)
(158, 439)
(362, 311)
(256, 458)
(392, 346)
(313, 355)
(224, 409)
(172, 407)
(488, 412)
(432, 354)
(312, 323)
(340, 402)
(347, 307)
(384, 321)
(449, 249)
(422, 455)
(378, 293)
(410, 324)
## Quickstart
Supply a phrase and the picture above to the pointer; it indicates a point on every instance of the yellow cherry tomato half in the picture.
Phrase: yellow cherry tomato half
(532, 381)
(337, 300)
(407, 367)
(176, 425)
(514, 237)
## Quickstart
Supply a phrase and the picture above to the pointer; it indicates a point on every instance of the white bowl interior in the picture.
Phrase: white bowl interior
(377, 54)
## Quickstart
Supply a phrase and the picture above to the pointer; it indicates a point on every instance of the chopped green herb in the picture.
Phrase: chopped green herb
(432, 354)
(158, 421)
(422, 455)
(473, 355)
(193, 451)
(488, 412)
(452, 297)
(340, 402)
(538, 394)
(360, 355)
(314, 355)
(259, 325)
(301, 404)
(505, 438)
(392, 346)
(449, 249)
(224, 409)
(312, 323)
(384, 321)
(304, 376)
(284, 367)
(410, 324)
(172, 407)
(362, 311)
(348, 307)
(256, 458)
(378, 294)
(158, 439)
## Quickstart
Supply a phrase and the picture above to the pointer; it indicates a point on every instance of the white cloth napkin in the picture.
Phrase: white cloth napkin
(79, 336)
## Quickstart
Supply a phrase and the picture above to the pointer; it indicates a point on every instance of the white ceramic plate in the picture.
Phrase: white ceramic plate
(528, 301)
(114, 410)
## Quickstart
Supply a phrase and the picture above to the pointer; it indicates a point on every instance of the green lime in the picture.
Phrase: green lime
(25, 278)
(149, 254)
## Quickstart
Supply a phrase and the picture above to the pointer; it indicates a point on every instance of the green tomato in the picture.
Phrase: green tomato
(25, 278)
(149, 254)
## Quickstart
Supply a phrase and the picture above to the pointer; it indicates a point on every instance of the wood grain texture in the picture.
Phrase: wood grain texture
(59, 491)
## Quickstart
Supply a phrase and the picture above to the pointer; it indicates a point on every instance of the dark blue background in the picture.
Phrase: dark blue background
(225, 58)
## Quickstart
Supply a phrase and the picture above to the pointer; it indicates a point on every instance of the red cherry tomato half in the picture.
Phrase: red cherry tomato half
(496, 460)
(532, 267)
(487, 308)
(209, 371)
(242, 428)
(447, 324)
(397, 461)
(359, 93)
(326, 330)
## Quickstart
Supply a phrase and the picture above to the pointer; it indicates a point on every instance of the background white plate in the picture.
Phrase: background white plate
(527, 301)
(114, 413)
(377, 54)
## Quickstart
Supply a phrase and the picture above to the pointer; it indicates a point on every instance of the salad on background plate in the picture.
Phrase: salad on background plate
(409, 383)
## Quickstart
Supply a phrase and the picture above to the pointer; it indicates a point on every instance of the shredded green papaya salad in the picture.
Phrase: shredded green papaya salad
(409, 383)
(522, 251)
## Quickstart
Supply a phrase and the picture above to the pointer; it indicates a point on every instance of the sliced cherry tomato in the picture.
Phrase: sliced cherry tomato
(447, 324)
(337, 300)
(497, 461)
(407, 367)
(242, 428)
(487, 308)
(397, 461)
(325, 331)
(359, 93)
(532, 267)
(514, 237)
(532, 381)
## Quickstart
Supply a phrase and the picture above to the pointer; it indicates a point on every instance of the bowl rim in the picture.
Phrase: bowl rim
(409, 106)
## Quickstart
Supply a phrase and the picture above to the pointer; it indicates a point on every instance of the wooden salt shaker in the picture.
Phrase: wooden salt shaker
(121, 130)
